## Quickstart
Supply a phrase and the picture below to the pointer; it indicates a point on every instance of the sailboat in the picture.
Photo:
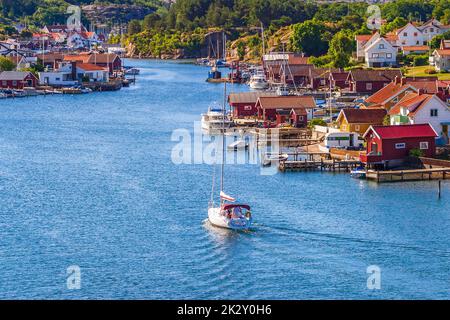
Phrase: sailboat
(228, 214)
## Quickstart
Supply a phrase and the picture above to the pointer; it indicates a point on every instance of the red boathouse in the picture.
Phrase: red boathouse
(390, 145)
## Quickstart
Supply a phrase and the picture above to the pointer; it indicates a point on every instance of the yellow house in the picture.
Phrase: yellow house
(359, 120)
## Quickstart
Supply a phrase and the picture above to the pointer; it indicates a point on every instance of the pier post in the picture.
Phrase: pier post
(439, 189)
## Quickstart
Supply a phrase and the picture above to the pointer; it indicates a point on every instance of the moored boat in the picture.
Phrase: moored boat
(358, 173)
(215, 121)
(258, 82)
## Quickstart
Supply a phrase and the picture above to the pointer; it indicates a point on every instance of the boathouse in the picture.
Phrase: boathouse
(390, 146)
(17, 80)
(280, 108)
(243, 104)
(370, 81)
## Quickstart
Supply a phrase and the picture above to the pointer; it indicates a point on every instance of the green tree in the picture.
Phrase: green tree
(310, 37)
(436, 41)
(6, 64)
(393, 25)
(134, 26)
(341, 47)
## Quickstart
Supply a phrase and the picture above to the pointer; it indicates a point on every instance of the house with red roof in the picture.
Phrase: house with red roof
(431, 85)
(389, 146)
(243, 104)
(17, 80)
(389, 95)
(295, 110)
(420, 108)
(72, 73)
(370, 81)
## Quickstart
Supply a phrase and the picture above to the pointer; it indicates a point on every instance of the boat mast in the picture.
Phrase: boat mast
(223, 135)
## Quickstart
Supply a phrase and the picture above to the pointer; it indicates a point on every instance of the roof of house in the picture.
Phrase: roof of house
(297, 59)
(375, 75)
(387, 93)
(403, 131)
(371, 116)
(412, 101)
(428, 86)
(92, 58)
(90, 67)
(415, 48)
(391, 37)
(77, 58)
(363, 37)
(376, 43)
(50, 57)
(14, 75)
(339, 76)
(287, 102)
(443, 52)
(248, 97)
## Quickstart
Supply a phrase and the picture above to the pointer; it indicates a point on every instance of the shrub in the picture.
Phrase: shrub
(416, 153)
(421, 60)
(317, 122)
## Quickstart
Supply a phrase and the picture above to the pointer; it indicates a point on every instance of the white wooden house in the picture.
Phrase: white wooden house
(380, 54)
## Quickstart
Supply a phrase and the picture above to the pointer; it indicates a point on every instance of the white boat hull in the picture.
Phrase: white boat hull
(259, 85)
(217, 219)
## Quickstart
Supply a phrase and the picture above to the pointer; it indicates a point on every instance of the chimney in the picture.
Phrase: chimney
(396, 80)
(403, 81)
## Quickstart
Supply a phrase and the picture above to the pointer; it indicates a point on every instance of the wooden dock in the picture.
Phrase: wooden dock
(322, 165)
(409, 175)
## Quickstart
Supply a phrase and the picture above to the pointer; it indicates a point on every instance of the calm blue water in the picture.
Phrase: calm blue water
(87, 180)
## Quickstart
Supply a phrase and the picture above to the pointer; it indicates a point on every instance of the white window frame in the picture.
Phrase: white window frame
(434, 113)
(369, 86)
(400, 145)
(423, 145)
(389, 55)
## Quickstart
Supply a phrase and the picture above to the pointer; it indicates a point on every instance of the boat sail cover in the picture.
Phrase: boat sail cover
(226, 197)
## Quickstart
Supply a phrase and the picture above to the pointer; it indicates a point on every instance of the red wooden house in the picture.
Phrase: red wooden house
(389, 146)
(294, 110)
(17, 80)
(243, 104)
(370, 81)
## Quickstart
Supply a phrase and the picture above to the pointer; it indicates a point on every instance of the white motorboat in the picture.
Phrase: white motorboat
(270, 158)
(238, 145)
(86, 90)
(216, 121)
(227, 214)
(132, 72)
(358, 173)
(258, 82)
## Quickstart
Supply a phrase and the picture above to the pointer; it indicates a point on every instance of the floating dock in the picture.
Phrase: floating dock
(409, 175)
(322, 165)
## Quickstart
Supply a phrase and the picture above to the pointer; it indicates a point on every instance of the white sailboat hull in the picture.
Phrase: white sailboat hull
(217, 219)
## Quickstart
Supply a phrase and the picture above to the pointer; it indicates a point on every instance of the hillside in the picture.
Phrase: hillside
(41, 12)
